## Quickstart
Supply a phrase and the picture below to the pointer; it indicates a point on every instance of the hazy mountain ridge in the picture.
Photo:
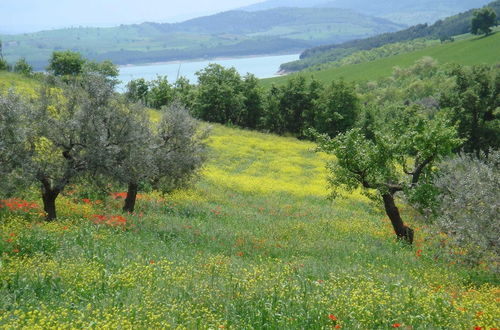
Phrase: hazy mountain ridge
(400, 11)
(243, 22)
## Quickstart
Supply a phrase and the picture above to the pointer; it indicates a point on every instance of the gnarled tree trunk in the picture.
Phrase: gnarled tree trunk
(49, 202)
(129, 205)
(402, 232)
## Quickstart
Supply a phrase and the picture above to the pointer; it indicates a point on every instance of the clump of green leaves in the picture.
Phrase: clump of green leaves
(66, 63)
(23, 67)
(483, 20)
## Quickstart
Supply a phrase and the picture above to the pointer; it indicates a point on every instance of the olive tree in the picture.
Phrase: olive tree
(62, 134)
(12, 134)
(469, 206)
(133, 159)
(70, 134)
(179, 147)
(166, 154)
(397, 159)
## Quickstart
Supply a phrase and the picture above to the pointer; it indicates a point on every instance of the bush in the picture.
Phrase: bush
(469, 208)
(23, 67)
(4, 66)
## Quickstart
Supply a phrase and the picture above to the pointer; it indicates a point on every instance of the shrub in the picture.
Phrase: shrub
(469, 207)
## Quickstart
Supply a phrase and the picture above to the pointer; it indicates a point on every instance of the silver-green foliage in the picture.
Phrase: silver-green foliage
(470, 207)
(68, 130)
(179, 147)
(12, 135)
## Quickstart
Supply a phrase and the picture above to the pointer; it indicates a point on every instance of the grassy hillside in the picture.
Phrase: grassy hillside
(467, 50)
(254, 244)
(17, 83)
(442, 29)
(225, 34)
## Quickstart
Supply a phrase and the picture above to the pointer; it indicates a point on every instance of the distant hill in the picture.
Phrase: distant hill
(407, 12)
(233, 33)
(468, 50)
(454, 25)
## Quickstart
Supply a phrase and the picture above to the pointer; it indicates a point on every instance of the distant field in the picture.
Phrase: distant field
(467, 50)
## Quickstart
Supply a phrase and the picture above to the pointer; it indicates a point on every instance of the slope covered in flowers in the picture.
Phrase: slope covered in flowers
(253, 244)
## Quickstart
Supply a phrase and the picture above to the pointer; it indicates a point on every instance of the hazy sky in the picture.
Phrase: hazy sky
(30, 15)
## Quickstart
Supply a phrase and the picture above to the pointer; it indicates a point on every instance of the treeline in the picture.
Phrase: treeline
(223, 96)
(442, 29)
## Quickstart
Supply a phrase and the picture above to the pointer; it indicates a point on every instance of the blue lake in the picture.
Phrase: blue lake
(260, 66)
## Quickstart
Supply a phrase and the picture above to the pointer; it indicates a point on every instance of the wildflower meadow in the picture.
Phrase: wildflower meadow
(254, 243)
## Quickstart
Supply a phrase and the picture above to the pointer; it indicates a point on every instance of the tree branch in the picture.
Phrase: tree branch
(417, 172)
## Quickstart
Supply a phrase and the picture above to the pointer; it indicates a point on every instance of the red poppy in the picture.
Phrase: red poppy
(338, 326)
(12, 234)
(478, 328)
(396, 325)
(332, 317)
(87, 201)
(151, 261)
(418, 253)
(119, 195)
(240, 254)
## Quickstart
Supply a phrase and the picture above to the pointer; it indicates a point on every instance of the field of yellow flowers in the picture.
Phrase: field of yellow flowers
(253, 244)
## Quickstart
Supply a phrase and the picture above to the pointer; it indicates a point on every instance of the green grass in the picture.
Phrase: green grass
(16, 82)
(253, 244)
(467, 50)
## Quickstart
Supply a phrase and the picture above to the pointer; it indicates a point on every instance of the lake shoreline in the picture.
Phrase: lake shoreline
(260, 66)
(195, 60)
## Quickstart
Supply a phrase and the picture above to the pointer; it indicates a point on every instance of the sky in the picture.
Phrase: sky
(18, 16)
